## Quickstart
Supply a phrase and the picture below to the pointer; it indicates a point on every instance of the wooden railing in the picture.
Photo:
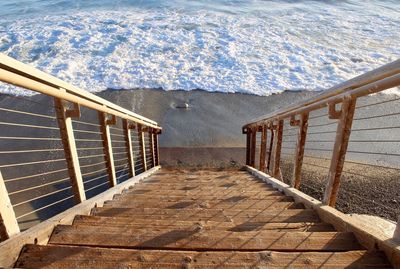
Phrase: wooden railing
(68, 145)
(340, 105)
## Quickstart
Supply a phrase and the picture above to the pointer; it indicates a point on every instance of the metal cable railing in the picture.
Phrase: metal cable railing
(343, 137)
(60, 145)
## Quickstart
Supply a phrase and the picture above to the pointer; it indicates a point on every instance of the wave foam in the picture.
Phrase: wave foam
(293, 48)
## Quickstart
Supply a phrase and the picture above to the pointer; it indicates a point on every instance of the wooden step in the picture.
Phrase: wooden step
(221, 193)
(200, 219)
(228, 197)
(141, 198)
(139, 223)
(222, 184)
(195, 189)
(199, 239)
(61, 257)
(287, 215)
(249, 204)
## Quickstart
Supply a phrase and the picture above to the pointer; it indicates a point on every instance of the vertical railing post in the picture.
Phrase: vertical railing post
(105, 123)
(276, 172)
(128, 144)
(253, 145)
(343, 131)
(8, 221)
(64, 119)
(157, 147)
(248, 141)
(301, 142)
(270, 149)
(142, 146)
(263, 147)
(152, 152)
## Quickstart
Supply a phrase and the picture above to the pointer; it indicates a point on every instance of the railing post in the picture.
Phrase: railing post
(151, 134)
(8, 221)
(253, 145)
(64, 119)
(105, 123)
(156, 148)
(339, 152)
(276, 172)
(128, 144)
(263, 148)
(248, 141)
(270, 149)
(301, 142)
(142, 146)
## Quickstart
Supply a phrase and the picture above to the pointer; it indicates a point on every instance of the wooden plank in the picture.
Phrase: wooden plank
(226, 194)
(8, 221)
(207, 179)
(240, 203)
(29, 77)
(223, 181)
(61, 257)
(339, 151)
(288, 215)
(227, 198)
(107, 146)
(363, 81)
(71, 154)
(276, 171)
(299, 155)
(206, 189)
(248, 145)
(228, 184)
(270, 150)
(142, 147)
(142, 223)
(128, 145)
(370, 237)
(156, 149)
(40, 233)
(249, 204)
(263, 148)
(206, 199)
(199, 239)
(253, 147)
(151, 145)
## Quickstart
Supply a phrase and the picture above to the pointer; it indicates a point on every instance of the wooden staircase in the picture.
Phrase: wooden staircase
(200, 219)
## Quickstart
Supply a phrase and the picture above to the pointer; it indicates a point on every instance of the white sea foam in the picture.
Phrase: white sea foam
(267, 50)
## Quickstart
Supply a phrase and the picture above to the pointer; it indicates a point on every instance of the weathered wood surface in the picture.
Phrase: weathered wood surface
(107, 147)
(40, 233)
(83, 257)
(199, 239)
(200, 219)
(285, 215)
(31, 78)
(199, 198)
(251, 204)
(71, 154)
(142, 223)
(8, 220)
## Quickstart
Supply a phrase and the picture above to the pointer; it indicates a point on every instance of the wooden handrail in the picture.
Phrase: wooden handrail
(20, 74)
(66, 96)
(366, 82)
(344, 94)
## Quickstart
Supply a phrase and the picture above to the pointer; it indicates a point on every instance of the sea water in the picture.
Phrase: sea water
(256, 47)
